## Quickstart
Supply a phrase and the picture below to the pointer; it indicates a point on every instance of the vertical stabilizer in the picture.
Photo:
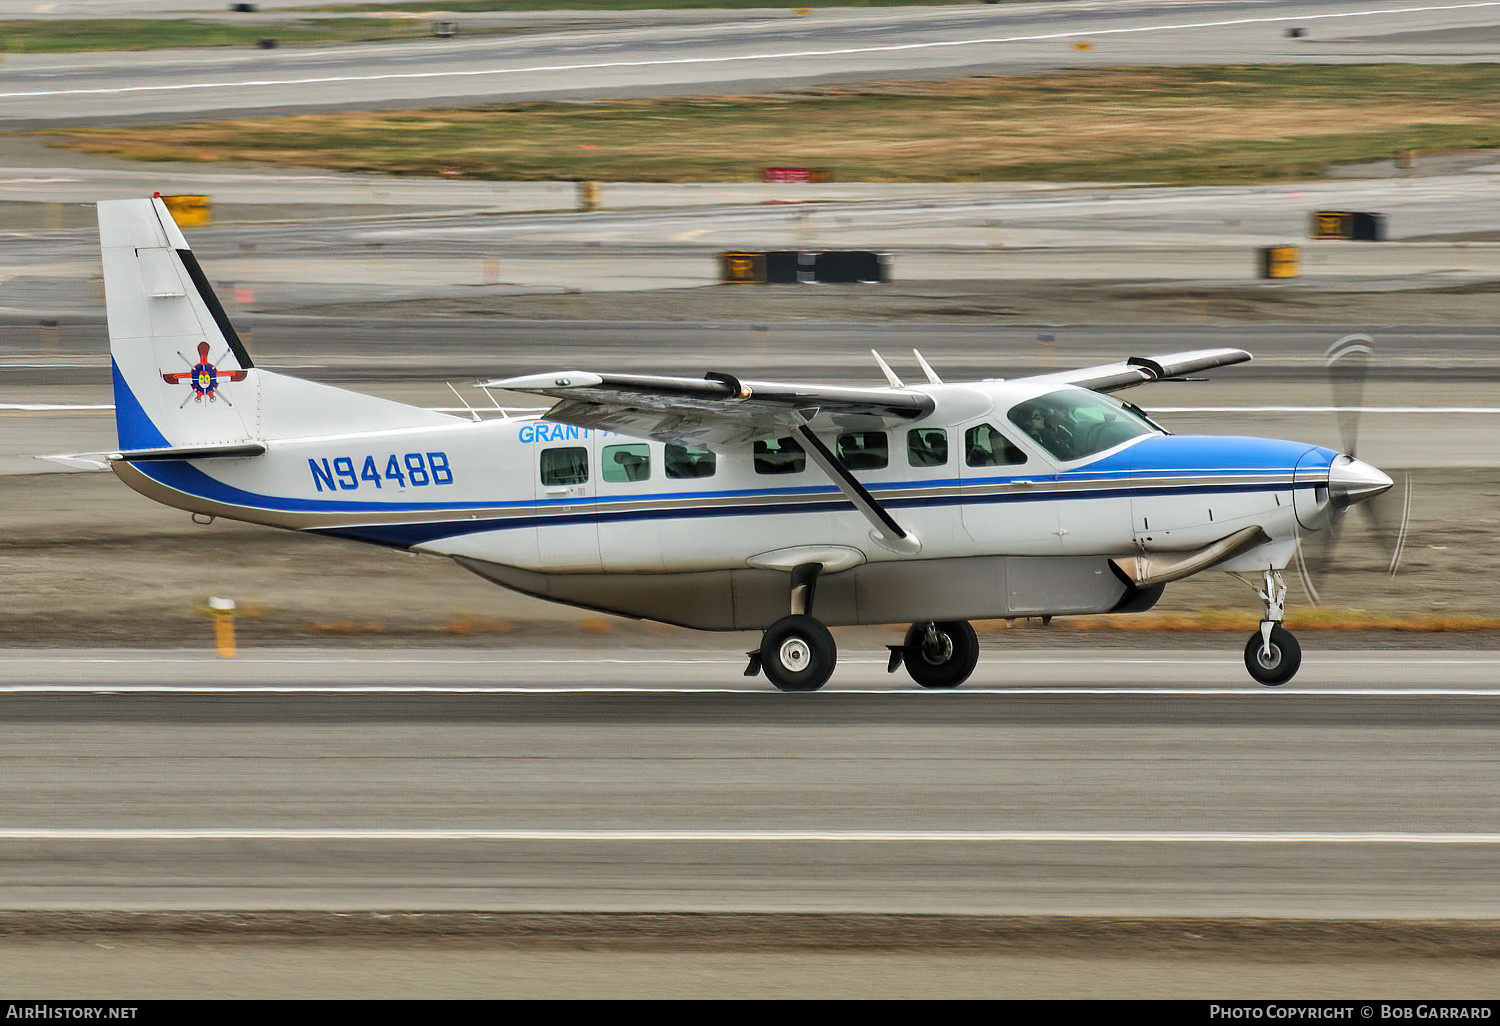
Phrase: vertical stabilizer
(181, 375)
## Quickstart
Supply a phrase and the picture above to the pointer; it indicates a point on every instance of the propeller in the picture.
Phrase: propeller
(1348, 364)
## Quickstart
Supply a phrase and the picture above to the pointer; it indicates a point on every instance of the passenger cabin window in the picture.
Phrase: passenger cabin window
(779, 456)
(985, 446)
(864, 450)
(626, 462)
(1075, 422)
(689, 461)
(927, 447)
(568, 466)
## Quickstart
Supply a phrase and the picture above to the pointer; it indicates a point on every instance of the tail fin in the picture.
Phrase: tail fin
(182, 377)
(180, 371)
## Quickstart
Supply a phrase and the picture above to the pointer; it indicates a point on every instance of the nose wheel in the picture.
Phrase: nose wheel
(1274, 660)
(1272, 655)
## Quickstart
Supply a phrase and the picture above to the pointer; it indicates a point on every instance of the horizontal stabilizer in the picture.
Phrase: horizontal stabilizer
(226, 451)
(102, 460)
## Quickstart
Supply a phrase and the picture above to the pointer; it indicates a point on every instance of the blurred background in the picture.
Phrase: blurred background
(400, 197)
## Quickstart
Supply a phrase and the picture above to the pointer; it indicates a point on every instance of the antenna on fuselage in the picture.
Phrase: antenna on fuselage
(932, 377)
(885, 368)
(473, 413)
(504, 413)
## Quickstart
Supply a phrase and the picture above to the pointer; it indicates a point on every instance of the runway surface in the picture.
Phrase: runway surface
(1098, 783)
(760, 50)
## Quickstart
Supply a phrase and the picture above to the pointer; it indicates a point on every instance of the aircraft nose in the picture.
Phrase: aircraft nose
(1351, 480)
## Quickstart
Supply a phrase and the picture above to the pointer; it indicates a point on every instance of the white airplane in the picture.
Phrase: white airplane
(724, 504)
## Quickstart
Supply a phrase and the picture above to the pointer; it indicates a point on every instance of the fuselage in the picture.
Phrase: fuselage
(968, 480)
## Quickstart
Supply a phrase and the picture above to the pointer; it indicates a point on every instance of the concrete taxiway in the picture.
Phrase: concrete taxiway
(1134, 783)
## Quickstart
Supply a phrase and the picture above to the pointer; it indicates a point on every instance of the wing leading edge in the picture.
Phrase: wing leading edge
(1138, 370)
(718, 410)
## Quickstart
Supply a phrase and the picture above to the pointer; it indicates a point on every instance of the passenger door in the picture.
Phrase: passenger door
(567, 532)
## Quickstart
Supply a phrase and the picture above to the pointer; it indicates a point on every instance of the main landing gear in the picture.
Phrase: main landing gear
(937, 655)
(1272, 654)
(797, 652)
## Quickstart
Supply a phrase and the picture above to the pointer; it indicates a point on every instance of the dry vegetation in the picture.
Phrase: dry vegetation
(1185, 125)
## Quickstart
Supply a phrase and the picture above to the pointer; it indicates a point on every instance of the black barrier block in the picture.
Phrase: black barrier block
(1369, 227)
(783, 267)
(844, 267)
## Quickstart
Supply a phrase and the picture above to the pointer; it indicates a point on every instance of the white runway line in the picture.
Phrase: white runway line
(741, 58)
(897, 690)
(734, 836)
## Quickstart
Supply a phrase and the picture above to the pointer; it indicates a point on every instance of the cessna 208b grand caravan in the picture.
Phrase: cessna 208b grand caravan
(725, 504)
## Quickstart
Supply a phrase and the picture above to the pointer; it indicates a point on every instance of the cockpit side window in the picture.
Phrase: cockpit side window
(1075, 423)
(985, 446)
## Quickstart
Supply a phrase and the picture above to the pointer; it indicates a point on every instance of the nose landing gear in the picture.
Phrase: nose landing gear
(1272, 655)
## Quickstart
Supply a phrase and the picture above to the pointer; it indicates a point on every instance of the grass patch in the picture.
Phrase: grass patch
(153, 34)
(1177, 125)
(481, 6)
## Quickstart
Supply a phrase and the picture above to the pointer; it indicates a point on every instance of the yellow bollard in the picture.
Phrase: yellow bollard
(1280, 262)
(1082, 45)
(588, 196)
(223, 609)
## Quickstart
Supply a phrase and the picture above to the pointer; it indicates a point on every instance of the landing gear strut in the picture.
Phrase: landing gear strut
(1272, 655)
(797, 652)
(937, 655)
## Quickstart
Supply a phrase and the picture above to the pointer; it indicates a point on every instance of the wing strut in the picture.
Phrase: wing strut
(887, 533)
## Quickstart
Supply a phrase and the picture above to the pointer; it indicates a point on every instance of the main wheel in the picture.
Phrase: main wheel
(798, 654)
(1280, 665)
(945, 658)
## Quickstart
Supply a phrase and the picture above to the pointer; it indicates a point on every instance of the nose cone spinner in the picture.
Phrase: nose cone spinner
(1351, 480)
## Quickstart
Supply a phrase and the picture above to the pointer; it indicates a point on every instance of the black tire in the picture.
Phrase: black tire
(1286, 657)
(950, 663)
(798, 654)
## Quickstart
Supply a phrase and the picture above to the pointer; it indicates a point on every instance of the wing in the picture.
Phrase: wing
(716, 411)
(1138, 370)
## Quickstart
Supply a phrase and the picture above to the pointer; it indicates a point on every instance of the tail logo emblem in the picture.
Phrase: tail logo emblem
(204, 377)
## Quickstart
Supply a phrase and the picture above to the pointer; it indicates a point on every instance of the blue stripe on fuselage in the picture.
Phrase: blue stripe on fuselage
(1179, 456)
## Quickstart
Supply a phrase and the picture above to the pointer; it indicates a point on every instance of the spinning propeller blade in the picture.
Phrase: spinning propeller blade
(1348, 363)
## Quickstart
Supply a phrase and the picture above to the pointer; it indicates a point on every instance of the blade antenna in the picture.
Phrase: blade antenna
(473, 413)
(885, 368)
(932, 376)
(504, 413)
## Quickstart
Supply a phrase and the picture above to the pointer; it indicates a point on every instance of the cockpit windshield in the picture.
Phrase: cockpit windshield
(1075, 422)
